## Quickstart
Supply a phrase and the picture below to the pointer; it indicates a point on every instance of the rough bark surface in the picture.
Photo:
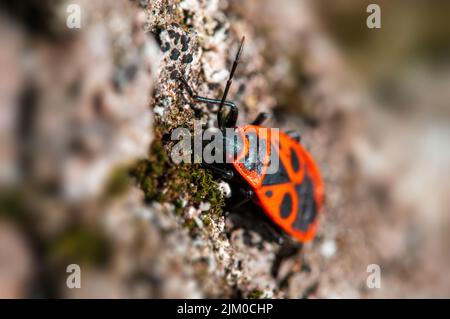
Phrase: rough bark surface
(86, 178)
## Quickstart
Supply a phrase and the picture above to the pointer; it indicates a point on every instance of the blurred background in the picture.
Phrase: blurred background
(82, 108)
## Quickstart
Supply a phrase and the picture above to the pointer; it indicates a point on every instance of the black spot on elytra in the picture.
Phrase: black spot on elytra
(307, 210)
(294, 161)
(174, 54)
(280, 176)
(187, 58)
(286, 206)
(269, 193)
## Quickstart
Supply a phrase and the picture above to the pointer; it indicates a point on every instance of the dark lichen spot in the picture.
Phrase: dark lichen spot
(165, 47)
(187, 58)
(184, 42)
(131, 71)
(177, 38)
(156, 34)
(174, 75)
(172, 34)
(174, 54)
(187, 18)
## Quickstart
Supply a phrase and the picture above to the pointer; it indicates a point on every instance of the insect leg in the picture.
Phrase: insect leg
(245, 195)
(261, 118)
(288, 249)
(203, 99)
(294, 135)
(230, 118)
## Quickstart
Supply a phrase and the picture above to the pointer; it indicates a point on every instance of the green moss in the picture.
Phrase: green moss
(164, 181)
(149, 173)
(191, 225)
(205, 189)
(80, 245)
(12, 206)
(255, 294)
(206, 219)
(118, 182)
(161, 180)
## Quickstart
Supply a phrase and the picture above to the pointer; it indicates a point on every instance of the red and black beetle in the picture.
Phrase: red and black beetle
(291, 197)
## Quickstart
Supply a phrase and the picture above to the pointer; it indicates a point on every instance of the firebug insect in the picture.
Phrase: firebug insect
(292, 197)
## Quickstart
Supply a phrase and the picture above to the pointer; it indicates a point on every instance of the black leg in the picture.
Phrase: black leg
(244, 196)
(294, 135)
(222, 172)
(226, 118)
(261, 118)
(288, 249)
(272, 233)
(202, 98)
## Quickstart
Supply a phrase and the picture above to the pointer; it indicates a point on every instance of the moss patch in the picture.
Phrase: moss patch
(255, 294)
(12, 206)
(163, 181)
(80, 245)
(118, 182)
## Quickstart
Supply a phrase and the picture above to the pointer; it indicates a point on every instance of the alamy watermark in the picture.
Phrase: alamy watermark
(374, 19)
(253, 147)
(73, 20)
(74, 278)
(374, 279)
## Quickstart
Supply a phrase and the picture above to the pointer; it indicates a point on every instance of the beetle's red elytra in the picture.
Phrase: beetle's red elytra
(292, 196)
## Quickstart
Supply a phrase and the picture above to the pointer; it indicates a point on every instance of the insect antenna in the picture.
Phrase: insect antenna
(230, 78)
